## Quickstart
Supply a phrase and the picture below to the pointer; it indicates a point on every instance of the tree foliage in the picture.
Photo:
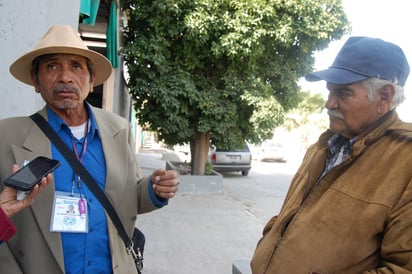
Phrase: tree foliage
(310, 104)
(223, 67)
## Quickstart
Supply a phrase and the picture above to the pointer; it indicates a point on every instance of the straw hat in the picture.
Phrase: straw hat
(61, 39)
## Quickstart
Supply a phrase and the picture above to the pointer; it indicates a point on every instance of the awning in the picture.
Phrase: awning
(111, 35)
(88, 11)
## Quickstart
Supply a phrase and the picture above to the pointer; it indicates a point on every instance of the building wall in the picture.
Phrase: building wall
(22, 24)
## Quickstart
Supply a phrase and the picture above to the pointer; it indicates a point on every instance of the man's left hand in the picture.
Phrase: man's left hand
(165, 183)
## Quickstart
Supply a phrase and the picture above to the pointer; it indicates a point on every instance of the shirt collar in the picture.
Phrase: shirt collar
(340, 149)
(59, 124)
(336, 140)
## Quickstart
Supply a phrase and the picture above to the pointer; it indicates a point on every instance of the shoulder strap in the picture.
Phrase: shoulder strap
(85, 175)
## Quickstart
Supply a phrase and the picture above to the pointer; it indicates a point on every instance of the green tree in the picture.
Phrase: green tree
(306, 119)
(222, 70)
(309, 105)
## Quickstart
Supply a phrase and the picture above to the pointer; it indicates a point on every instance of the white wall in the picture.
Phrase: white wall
(22, 24)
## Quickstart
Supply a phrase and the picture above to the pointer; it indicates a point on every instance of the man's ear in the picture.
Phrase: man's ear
(92, 83)
(386, 93)
(35, 83)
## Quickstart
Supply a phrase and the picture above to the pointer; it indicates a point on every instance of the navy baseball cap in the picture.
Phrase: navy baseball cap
(363, 57)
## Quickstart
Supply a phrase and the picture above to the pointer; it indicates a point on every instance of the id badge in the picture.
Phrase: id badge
(69, 213)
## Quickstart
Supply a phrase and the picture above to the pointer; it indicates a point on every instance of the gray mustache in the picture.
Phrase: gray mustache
(65, 88)
(335, 114)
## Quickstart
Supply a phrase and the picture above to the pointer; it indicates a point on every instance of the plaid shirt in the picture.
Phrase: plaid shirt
(339, 150)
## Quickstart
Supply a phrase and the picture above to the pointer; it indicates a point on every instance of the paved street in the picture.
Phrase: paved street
(206, 233)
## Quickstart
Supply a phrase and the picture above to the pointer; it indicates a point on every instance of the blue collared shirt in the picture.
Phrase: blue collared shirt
(83, 252)
(86, 252)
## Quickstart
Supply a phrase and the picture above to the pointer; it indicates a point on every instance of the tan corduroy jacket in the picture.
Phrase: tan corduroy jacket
(36, 250)
(356, 219)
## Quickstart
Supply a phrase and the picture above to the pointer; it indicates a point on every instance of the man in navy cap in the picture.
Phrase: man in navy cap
(349, 206)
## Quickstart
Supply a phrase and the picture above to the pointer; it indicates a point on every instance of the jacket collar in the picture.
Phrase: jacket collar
(387, 124)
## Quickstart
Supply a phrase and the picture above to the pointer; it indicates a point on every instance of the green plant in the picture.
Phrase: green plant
(208, 168)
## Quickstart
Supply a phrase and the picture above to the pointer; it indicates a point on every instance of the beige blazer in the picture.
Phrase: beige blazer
(34, 249)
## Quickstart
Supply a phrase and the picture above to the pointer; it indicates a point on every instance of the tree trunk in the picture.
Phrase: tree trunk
(199, 148)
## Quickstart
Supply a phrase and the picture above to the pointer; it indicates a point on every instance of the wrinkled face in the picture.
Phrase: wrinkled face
(64, 81)
(350, 110)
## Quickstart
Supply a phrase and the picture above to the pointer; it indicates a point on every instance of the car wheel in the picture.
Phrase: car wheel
(245, 173)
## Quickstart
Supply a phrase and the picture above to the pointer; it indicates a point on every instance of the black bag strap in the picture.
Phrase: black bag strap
(86, 177)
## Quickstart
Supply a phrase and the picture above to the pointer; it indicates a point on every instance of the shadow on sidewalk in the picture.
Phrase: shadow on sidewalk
(198, 233)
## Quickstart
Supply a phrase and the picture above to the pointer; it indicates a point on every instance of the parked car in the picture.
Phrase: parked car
(270, 150)
(235, 160)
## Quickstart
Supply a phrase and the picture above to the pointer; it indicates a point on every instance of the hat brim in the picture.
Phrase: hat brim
(336, 76)
(21, 68)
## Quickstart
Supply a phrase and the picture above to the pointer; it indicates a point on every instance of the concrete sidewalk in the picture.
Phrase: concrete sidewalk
(198, 233)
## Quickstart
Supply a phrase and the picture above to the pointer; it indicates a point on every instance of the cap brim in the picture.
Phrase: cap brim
(336, 76)
(21, 68)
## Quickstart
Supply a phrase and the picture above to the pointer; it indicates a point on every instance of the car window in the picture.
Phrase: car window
(245, 148)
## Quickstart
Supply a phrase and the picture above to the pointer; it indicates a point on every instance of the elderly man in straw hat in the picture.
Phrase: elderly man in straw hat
(64, 71)
(349, 206)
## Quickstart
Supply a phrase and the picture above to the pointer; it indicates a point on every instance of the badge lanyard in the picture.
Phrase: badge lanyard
(76, 178)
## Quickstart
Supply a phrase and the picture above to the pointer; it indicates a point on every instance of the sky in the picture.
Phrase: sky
(389, 20)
